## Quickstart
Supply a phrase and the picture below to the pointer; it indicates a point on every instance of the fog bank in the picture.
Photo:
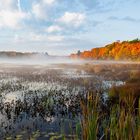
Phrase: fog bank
(39, 60)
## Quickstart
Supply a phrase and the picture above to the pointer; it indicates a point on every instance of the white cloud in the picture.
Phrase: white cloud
(55, 38)
(11, 15)
(35, 37)
(8, 4)
(11, 19)
(38, 11)
(40, 8)
(72, 19)
(54, 28)
(49, 2)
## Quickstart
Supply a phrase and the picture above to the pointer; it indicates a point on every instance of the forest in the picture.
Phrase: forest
(126, 50)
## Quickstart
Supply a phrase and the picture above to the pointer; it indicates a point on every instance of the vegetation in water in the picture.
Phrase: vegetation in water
(118, 118)
(57, 106)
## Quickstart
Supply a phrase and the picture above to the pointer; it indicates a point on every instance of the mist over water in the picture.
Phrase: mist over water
(40, 60)
(55, 60)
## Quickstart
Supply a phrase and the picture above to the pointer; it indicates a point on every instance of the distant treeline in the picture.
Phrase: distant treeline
(126, 50)
(13, 54)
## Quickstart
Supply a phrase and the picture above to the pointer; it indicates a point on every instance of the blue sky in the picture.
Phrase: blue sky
(61, 27)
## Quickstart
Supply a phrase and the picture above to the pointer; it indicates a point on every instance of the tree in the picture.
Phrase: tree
(78, 52)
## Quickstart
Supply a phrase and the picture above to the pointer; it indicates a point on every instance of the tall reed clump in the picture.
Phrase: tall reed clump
(90, 116)
(124, 122)
(120, 120)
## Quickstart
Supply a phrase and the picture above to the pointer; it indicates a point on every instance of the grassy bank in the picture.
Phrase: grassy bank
(118, 118)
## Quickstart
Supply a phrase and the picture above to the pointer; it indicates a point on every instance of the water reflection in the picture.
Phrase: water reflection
(44, 102)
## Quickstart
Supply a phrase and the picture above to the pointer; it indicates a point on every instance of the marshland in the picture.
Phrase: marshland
(82, 100)
(69, 69)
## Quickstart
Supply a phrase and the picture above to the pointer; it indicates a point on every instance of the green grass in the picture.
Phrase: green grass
(121, 122)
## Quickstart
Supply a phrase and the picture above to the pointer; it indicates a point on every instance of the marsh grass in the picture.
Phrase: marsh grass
(90, 117)
(121, 122)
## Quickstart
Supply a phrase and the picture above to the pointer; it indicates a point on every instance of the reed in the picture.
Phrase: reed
(122, 122)
(90, 117)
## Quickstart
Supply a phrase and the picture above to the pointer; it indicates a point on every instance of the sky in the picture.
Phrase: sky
(62, 27)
